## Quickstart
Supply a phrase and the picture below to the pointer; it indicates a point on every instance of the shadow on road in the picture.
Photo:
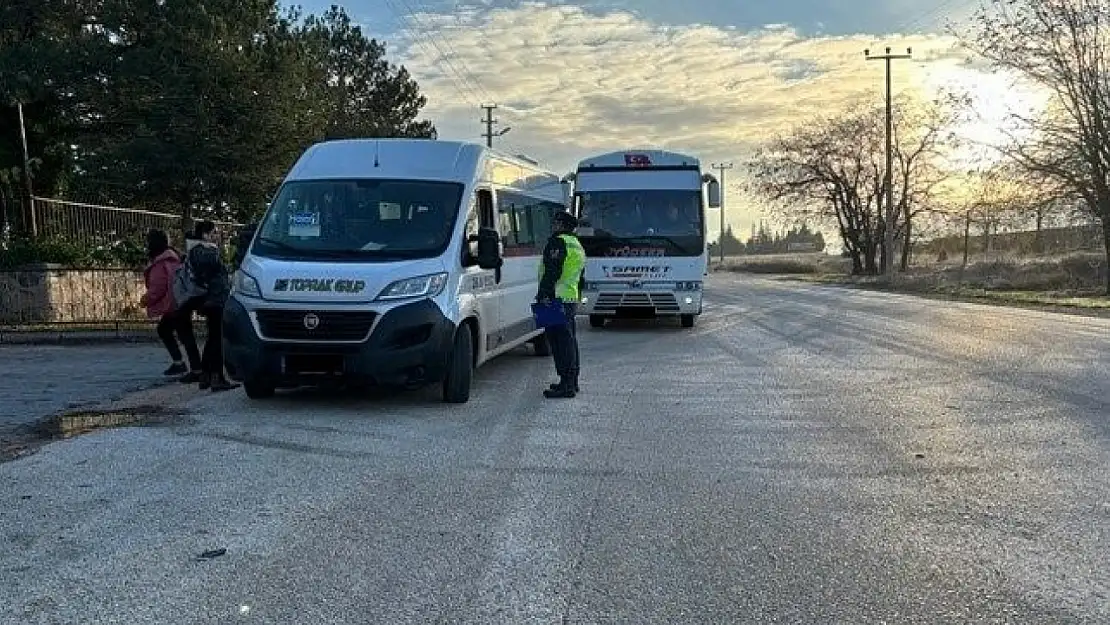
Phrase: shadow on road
(427, 397)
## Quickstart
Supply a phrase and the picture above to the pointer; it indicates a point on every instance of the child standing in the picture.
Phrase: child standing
(163, 262)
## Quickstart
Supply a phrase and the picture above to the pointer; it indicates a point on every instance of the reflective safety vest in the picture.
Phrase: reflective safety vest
(566, 287)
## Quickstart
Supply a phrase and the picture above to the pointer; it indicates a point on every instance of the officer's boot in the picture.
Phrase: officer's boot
(554, 386)
(564, 389)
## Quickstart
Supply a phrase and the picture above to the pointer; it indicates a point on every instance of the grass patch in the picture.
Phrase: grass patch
(785, 264)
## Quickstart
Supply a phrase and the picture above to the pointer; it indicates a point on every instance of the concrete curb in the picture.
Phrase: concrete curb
(81, 337)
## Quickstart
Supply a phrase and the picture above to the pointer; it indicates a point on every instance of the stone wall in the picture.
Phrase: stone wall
(58, 294)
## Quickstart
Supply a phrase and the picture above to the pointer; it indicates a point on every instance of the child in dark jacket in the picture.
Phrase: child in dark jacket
(210, 273)
(163, 262)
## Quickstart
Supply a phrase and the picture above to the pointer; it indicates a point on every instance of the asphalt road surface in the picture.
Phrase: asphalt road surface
(40, 380)
(803, 455)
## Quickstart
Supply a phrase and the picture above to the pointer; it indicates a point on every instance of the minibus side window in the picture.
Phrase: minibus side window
(485, 207)
(470, 234)
(480, 214)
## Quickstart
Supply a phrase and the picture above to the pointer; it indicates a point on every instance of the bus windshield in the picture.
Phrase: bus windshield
(659, 222)
(363, 219)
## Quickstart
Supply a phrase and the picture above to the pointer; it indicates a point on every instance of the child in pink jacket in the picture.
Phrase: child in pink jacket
(159, 304)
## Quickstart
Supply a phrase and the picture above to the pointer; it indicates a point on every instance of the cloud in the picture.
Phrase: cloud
(572, 82)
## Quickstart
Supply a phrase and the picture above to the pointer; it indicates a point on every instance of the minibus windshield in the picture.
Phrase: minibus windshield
(362, 219)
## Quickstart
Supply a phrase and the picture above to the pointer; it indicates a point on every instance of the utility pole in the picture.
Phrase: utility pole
(888, 230)
(721, 167)
(489, 121)
(30, 190)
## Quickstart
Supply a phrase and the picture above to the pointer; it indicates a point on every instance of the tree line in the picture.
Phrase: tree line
(1054, 164)
(799, 238)
(194, 107)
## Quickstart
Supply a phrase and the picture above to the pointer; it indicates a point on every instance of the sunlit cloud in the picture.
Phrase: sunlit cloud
(571, 82)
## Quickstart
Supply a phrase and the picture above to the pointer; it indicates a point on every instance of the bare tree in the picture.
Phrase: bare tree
(1060, 45)
(1021, 198)
(816, 174)
(832, 171)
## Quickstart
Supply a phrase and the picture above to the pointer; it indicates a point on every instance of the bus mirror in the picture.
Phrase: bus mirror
(713, 190)
(489, 249)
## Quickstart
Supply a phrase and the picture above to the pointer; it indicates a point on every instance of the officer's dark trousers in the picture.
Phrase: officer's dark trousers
(563, 341)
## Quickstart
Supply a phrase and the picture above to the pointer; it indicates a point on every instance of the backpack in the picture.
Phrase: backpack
(185, 286)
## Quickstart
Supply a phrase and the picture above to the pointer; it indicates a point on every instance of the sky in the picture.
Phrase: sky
(709, 77)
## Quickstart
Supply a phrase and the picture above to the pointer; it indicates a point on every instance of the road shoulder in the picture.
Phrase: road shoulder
(1084, 306)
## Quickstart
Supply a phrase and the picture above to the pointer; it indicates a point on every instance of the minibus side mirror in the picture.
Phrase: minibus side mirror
(489, 251)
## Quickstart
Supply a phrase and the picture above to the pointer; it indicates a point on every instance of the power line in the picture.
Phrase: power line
(451, 56)
(466, 83)
(461, 82)
(888, 182)
(722, 167)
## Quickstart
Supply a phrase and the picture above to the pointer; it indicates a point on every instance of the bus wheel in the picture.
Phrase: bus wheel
(597, 321)
(460, 368)
(687, 321)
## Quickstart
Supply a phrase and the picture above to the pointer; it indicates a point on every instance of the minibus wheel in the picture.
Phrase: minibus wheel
(460, 368)
(256, 389)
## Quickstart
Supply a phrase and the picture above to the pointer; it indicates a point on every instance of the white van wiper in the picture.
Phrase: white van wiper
(300, 250)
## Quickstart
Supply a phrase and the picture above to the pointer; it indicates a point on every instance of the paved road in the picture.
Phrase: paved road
(804, 455)
(37, 381)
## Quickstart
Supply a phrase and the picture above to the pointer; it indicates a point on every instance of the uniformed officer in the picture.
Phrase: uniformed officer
(564, 259)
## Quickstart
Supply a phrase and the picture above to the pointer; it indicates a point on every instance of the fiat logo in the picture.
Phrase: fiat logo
(311, 321)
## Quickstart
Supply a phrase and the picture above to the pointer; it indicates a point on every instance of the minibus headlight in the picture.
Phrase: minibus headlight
(242, 283)
(420, 286)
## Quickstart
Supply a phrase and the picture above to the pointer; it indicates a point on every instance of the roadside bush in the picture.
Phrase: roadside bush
(788, 264)
(58, 250)
(783, 266)
(1074, 272)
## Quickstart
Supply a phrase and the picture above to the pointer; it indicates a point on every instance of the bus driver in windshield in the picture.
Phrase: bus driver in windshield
(676, 222)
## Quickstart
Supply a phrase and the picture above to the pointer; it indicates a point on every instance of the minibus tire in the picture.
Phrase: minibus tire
(687, 321)
(597, 321)
(256, 389)
(460, 368)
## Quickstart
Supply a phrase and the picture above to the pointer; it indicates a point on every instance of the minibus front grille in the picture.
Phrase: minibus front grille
(313, 325)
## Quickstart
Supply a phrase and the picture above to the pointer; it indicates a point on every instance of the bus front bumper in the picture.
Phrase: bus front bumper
(639, 304)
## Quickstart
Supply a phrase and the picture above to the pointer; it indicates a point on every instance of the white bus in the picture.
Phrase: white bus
(642, 222)
(393, 262)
